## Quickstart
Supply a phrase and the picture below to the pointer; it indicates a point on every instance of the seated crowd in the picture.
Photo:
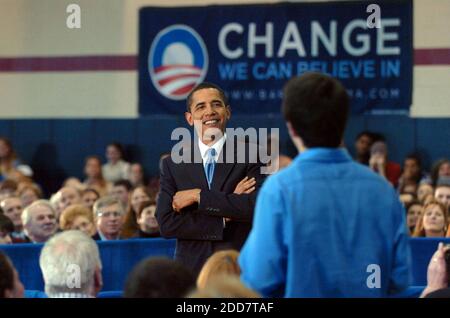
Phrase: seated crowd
(114, 202)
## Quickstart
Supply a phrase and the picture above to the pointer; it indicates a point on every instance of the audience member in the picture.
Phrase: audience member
(11, 166)
(108, 217)
(321, 221)
(39, 221)
(10, 284)
(94, 177)
(12, 208)
(424, 190)
(220, 263)
(6, 228)
(121, 190)
(78, 217)
(433, 221)
(65, 254)
(224, 286)
(159, 278)
(8, 188)
(414, 212)
(441, 168)
(88, 198)
(30, 193)
(380, 164)
(363, 142)
(442, 191)
(146, 220)
(69, 196)
(137, 176)
(411, 175)
(139, 195)
(116, 168)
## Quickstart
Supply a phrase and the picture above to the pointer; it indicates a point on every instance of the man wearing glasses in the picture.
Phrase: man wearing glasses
(108, 217)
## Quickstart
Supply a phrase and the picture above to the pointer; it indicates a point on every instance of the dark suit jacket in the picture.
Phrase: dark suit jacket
(199, 228)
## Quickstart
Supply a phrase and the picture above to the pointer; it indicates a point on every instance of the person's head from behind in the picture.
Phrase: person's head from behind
(39, 221)
(77, 217)
(114, 152)
(433, 220)
(10, 284)
(315, 107)
(65, 254)
(159, 278)
(109, 217)
(224, 286)
(220, 263)
(145, 217)
(6, 228)
(208, 111)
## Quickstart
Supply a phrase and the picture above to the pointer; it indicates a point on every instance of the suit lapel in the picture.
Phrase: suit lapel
(222, 169)
(195, 170)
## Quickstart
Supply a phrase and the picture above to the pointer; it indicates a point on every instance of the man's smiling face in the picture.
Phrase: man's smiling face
(208, 113)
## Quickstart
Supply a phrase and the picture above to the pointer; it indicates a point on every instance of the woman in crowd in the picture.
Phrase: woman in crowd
(433, 221)
(88, 197)
(78, 217)
(139, 195)
(441, 168)
(10, 165)
(116, 168)
(424, 191)
(94, 177)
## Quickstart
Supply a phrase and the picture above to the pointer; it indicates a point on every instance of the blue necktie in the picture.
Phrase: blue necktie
(209, 166)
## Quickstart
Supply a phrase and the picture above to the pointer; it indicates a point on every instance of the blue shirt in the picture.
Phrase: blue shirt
(326, 226)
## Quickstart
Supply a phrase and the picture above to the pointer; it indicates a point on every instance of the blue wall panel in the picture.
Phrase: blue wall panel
(399, 133)
(56, 149)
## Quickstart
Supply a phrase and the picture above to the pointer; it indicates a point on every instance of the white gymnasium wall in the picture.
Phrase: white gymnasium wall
(32, 28)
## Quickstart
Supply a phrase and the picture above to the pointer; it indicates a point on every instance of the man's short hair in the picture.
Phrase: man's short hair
(26, 214)
(317, 107)
(6, 274)
(159, 277)
(63, 255)
(6, 225)
(123, 183)
(105, 202)
(206, 85)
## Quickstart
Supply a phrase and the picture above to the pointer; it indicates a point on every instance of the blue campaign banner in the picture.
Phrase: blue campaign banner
(252, 50)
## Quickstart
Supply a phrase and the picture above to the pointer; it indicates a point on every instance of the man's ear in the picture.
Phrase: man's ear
(291, 130)
(228, 112)
(189, 119)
